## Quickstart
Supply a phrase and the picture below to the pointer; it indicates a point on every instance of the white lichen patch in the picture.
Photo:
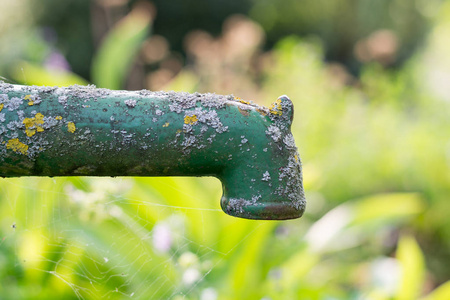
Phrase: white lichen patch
(266, 176)
(274, 132)
(3, 98)
(189, 141)
(202, 119)
(210, 118)
(290, 178)
(14, 103)
(211, 138)
(63, 100)
(13, 125)
(255, 198)
(130, 103)
(289, 141)
(50, 121)
(237, 205)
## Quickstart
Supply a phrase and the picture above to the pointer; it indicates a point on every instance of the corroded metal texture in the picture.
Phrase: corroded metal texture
(86, 131)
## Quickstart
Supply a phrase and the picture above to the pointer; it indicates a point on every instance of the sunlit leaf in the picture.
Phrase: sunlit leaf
(246, 269)
(295, 269)
(113, 60)
(412, 268)
(345, 225)
(441, 293)
(376, 295)
(387, 206)
(185, 81)
(32, 74)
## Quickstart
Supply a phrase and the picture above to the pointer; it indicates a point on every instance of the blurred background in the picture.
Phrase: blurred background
(370, 82)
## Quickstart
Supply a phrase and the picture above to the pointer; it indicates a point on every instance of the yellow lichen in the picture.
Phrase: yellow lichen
(240, 100)
(58, 118)
(276, 108)
(296, 157)
(71, 127)
(190, 120)
(261, 111)
(33, 124)
(29, 99)
(17, 146)
(39, 120)
(167, 124)
(1, 106)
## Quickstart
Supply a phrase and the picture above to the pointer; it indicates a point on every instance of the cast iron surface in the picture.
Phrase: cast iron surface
(86, 131)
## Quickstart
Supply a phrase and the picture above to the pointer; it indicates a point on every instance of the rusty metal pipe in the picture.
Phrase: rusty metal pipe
(86, 131)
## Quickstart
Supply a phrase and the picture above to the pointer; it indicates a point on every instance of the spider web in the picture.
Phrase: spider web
(116, 238)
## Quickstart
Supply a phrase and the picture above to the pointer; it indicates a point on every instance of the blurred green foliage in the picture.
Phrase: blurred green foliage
(119, 48)
(375, 151)
(340, 24)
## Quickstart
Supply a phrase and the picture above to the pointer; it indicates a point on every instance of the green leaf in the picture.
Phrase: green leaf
(296, 268)
(246, 269)
(348, 224)
(387, 206)
(119, 48)
(186, 81)
(413, 267)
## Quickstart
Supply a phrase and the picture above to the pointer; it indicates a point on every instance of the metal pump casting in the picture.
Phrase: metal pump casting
(87, 131)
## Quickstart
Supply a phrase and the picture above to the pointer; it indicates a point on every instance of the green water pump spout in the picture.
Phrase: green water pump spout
(87, 131)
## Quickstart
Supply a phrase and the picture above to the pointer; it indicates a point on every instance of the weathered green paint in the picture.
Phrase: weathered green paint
(86, 131)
